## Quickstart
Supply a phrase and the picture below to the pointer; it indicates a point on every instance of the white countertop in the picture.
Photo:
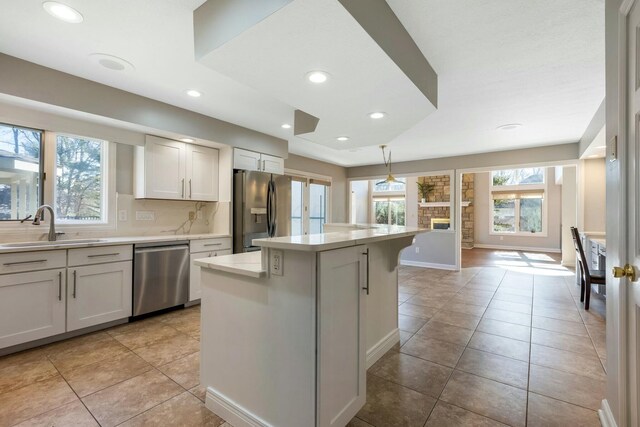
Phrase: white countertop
(246, 264)
(103, 241)
(351, 236)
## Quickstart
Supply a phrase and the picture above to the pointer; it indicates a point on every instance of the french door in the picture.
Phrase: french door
(309, 205)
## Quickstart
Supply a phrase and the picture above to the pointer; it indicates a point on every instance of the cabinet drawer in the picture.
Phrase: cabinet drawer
(210, 245)
(99, 255)
(32, 261)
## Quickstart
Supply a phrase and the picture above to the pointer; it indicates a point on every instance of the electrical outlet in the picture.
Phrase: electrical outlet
(417, 249)
(192, 215)
(122, 215)
(277, 262)
(145, 216)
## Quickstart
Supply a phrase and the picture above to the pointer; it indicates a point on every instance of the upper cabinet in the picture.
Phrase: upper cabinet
(172, 170)
(252, 161)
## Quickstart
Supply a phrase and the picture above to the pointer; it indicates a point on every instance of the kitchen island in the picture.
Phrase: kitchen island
(288, 332)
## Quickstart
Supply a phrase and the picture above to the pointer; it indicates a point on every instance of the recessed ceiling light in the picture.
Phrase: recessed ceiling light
(194, 93)
(286, 126)
(187, 140)
(342, 138)
(377, 115)
(510, 126)
(111, 62)
(62, 12)
(317, 76)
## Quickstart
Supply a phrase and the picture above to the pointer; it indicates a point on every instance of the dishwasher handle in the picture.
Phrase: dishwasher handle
(161, 249)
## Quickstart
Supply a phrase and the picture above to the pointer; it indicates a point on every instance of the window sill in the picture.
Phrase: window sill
(544, 234)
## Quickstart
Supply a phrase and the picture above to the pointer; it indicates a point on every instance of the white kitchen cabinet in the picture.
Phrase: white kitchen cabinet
(32, 306)
(246, 160)
(252, 161)
(342, 280)
(202, 173)
(173, 170)
(98, 294)
(195, 291)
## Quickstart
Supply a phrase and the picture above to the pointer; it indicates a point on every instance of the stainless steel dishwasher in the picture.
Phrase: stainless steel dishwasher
(160, 276)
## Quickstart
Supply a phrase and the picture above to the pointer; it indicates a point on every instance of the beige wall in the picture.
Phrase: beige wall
(339, 184)
(594, 193)
(553, 198)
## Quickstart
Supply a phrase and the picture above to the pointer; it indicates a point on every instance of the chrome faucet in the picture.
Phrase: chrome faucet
(52, 223)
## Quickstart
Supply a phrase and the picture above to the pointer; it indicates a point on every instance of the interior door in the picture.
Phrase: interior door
(633, 211)
(202, 173)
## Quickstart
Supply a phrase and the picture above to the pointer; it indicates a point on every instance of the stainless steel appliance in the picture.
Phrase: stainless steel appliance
(160, 276)
(261, 208)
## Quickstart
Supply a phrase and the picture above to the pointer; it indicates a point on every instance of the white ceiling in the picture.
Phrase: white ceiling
(537, 63)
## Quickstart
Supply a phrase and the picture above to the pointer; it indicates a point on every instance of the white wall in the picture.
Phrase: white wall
(594, 195)
(569, 214)
(482, 201)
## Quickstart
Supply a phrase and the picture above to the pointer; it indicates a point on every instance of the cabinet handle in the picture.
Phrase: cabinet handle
(37, 261)
(367, 255)
(212, 244)
(74, 283)
(190, 190)
(264, 165)
(60, 286)
(258, 162)
(182, 195)
(101, 255)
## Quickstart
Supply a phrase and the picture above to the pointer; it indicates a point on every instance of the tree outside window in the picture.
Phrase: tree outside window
(518, 200)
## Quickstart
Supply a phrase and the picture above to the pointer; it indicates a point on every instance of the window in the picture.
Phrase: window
(21, 171)
(388, 202)
(309, 204)
(80, 185)
(518, 201)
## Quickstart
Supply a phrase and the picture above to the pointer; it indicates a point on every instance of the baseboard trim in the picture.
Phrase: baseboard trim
(517, 248)
(382, 346)
(428, 265)
(605, 415)
(230, 411)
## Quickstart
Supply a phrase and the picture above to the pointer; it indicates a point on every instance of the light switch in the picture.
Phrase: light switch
(122, 215)
(277, 262)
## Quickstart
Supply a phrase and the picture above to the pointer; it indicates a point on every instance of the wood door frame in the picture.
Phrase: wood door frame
(616, 321)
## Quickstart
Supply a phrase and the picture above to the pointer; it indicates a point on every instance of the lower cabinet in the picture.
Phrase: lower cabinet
(98, 294)
(32, 306)
(341, 375)
(195, 292)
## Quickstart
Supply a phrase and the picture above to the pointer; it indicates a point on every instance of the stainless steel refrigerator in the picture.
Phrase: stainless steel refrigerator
(261, 208)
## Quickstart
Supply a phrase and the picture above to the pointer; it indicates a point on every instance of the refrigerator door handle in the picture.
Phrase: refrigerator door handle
(269, 234)
(274, 205)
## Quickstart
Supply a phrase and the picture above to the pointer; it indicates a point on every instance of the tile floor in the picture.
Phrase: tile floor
(485, 346)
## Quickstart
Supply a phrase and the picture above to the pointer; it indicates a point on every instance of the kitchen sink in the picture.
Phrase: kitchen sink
(48, 243)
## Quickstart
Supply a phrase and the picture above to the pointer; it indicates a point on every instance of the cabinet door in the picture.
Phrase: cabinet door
(195, 291)
(341, 374)
(98, 294)
(272, 164)
(202, 173)
(246, 160)
(165, 166)
(32, 306)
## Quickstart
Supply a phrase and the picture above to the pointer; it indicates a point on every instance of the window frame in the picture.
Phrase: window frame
(386, 196)
(42, 168)
(515, 189)
(108, 167)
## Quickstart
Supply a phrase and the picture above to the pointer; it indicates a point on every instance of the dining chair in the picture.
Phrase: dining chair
(589, 276)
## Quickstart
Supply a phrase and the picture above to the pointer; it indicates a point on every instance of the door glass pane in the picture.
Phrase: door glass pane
(79, 182)
(397, 211)
(531, 215)
(504, 215)
(317, 208)
(381, 211)
(20, 151)
(297, 208)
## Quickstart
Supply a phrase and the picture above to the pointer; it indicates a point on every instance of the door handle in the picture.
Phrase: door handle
(367, 255)
(627, 271)
(74, 283)
(60, 286)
